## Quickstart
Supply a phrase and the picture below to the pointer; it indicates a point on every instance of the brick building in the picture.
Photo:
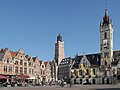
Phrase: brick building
(23, 67)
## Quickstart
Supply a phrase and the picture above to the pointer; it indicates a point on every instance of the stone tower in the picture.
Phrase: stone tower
(106, 45)
(59, 49)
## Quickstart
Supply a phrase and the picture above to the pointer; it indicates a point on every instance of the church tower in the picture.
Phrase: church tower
(106, 47)
(59, 49)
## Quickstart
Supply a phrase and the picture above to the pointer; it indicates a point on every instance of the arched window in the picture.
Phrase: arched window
(105, 35)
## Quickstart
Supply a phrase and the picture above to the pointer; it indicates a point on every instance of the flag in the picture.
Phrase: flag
(106, 59)
(83, 68)
(92, 73)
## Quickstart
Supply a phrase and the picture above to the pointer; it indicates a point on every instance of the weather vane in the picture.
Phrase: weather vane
(106, 4)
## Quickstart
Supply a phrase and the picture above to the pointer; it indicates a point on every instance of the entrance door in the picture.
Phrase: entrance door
(43, 79)
(94, 81)
(103, 82)
(107, 80)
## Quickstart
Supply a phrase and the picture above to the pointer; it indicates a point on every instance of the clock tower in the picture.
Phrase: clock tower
(106, 44)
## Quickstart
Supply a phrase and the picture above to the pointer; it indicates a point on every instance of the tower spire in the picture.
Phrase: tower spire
(106, 12)
(59, 38)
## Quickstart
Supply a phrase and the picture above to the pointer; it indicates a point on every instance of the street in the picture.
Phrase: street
(66, 87)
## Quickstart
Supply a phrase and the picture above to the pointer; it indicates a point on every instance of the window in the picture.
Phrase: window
(21, 70)
(10, 68)
(16, 70)
(7, 60)
(29, 63)
(32, 71)
(25, 63)
(29, 71)
(16, 62)
(105, 54)
(21, 62)
(5, 68)
(25, 70)
(105, 35)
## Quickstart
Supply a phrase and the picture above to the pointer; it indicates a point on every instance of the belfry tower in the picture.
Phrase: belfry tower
(59, 49)
(106, 44)
(59, 54)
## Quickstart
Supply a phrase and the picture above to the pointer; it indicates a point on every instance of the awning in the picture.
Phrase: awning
(2, 76)
(31, 78)
(22, 76)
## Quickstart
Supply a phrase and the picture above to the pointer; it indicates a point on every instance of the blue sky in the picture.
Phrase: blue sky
(34, 25)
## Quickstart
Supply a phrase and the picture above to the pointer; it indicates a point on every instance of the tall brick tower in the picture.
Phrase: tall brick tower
(106, 46)
(59, 49)
(59, 54)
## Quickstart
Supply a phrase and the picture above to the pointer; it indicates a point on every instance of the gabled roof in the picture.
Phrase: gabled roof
(77, 60)
(94, 59)
(13, 54)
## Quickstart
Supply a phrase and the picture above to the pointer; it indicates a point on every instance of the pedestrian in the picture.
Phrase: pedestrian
(70, 82)
(62, 83)
(42, 83)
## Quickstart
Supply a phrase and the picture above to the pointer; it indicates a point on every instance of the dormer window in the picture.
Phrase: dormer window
(7, 60)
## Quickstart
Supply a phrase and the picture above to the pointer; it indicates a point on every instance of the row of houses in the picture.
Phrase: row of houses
(21, 66)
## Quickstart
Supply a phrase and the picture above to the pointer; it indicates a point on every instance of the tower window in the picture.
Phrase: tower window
(105, 35)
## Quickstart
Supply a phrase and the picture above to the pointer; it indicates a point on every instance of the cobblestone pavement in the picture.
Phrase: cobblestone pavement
(66, 87)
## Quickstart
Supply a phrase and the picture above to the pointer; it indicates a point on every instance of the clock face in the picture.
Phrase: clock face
(105, 43)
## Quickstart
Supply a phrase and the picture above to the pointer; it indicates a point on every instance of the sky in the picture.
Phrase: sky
(33, 25)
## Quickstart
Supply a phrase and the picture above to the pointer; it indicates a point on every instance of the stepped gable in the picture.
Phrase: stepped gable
(45, 63)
